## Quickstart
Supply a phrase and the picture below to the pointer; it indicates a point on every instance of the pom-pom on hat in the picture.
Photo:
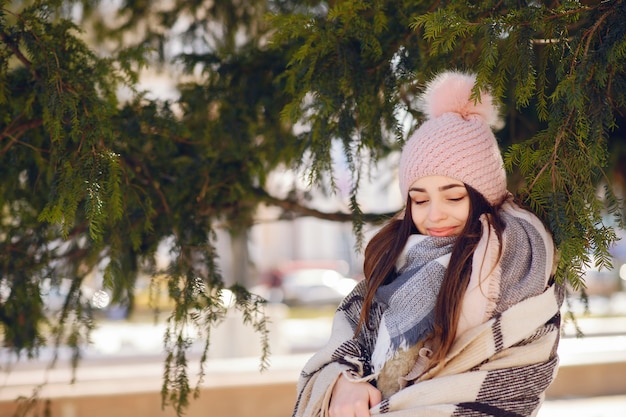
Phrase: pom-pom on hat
(456, 140)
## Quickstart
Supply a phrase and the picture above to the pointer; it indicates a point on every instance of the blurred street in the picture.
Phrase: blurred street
(129, 354)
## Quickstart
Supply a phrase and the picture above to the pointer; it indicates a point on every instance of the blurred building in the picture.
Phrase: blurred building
(274, 241)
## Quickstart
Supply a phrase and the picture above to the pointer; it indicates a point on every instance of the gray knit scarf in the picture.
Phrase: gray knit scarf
(409, 300)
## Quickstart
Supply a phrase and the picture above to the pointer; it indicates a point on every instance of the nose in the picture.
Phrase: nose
(435, 212)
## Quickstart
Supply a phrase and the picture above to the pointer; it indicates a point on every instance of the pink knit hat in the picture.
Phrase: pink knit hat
(456, 140)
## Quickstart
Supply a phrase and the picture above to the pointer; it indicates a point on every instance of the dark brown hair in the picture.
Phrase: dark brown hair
(385, 247)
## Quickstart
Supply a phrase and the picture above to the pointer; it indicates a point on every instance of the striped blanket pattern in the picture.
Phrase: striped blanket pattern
(500, 368)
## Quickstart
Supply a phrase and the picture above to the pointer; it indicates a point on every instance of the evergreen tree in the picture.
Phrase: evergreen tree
(88, 179)
(557, 67)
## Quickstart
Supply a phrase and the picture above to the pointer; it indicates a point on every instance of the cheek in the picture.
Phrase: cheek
(418, 217)
(462, 213)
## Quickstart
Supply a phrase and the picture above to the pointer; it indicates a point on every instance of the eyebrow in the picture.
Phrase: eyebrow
(442, 188)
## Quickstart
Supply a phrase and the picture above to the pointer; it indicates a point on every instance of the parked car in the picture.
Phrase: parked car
(315, 287)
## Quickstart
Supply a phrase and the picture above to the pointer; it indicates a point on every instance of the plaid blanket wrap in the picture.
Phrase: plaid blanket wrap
(498, 367)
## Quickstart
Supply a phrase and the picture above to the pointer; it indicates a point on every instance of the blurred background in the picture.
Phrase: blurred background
(157, 157)
(305, 275)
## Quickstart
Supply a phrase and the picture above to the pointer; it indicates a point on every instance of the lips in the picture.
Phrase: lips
(442, 231)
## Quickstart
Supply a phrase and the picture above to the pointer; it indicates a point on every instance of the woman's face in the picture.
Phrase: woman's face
(439, 205)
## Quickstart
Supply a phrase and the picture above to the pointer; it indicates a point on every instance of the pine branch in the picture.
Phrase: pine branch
(291, 207)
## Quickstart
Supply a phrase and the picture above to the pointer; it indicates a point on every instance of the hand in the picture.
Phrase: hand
(353, 399)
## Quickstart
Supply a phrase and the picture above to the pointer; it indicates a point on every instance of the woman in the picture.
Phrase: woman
(458, 314)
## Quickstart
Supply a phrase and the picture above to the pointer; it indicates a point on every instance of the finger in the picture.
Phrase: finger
(375, 396)
(362, 409)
